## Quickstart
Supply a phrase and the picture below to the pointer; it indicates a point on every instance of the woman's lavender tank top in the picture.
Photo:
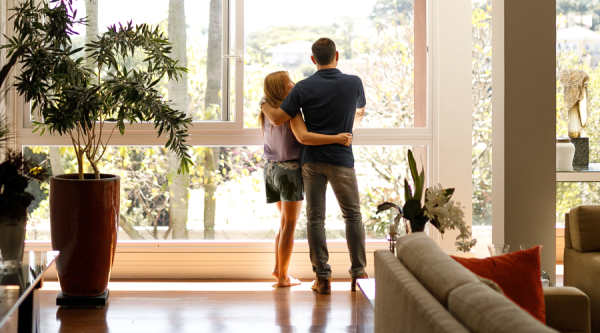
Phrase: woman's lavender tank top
(280, 143)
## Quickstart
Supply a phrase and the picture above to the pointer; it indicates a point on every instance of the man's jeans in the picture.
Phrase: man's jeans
(343, 182)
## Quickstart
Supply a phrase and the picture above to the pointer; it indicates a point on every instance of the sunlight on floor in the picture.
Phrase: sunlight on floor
(203, 286)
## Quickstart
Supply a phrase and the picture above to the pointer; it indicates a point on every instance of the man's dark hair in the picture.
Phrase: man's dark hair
(324, 51)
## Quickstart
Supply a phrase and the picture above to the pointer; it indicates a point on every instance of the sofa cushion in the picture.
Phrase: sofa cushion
(518, 274)
(483, 310)
(402, 304)
(584, 225)
(431, 266)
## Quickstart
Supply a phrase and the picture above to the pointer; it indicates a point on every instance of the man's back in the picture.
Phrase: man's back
(328, 99)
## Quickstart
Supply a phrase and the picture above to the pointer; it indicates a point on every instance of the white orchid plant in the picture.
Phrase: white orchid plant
(438, 209)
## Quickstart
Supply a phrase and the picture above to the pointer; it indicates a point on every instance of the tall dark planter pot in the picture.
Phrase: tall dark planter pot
(84, 220)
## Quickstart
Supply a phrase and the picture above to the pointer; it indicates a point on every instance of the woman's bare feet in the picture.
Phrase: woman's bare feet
(275, 273)
(288, 281)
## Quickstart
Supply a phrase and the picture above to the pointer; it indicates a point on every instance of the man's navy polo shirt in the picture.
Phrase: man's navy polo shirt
(328, 99)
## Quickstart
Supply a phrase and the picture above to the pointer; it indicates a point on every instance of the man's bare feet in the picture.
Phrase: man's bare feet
(288, 281)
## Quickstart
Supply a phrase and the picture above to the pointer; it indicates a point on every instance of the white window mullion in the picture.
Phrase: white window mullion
(239, 67)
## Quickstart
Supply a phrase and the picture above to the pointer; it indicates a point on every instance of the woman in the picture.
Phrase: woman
(283, 173)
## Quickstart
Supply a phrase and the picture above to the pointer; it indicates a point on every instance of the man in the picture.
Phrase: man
(332, 103)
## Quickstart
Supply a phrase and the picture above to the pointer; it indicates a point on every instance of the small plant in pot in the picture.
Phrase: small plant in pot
(16, 172)
(88, 106)
(437, 209)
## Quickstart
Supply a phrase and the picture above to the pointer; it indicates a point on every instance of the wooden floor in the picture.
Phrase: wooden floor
(205, 307)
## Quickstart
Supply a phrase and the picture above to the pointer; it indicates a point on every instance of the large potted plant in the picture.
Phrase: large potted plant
(88, 105)
(437, 208)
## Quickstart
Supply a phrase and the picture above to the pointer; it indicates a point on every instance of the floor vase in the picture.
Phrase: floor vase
(84, 220)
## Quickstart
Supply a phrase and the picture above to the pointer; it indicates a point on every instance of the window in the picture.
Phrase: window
(377, 41)
(227, 202)
(482, 113)
(570, 194)
(374, 39)
(588, 47)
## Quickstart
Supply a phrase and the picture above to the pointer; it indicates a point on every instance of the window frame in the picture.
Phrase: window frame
(206, 133)
(234, 134)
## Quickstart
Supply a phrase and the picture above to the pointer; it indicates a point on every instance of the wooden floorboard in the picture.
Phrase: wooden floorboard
(205, 307)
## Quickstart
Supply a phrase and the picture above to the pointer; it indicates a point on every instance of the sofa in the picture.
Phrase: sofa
(424, 290)
(582, 255)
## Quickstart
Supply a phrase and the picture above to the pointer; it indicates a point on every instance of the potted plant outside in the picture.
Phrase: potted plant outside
(88, 105)
(437, 209)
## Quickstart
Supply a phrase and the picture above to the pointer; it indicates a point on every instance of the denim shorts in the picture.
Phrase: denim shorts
(283, 181)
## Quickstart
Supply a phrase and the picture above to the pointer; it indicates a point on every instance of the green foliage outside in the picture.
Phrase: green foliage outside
(261, 41)
(482, 113)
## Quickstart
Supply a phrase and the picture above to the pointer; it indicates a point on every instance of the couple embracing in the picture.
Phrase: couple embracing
(303, 155)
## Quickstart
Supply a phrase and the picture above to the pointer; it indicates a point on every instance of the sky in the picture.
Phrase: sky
(259, 14)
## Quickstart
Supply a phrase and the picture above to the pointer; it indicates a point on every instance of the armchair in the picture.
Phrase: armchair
(582, 255)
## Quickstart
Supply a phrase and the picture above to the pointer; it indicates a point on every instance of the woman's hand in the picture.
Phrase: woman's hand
(344, 139)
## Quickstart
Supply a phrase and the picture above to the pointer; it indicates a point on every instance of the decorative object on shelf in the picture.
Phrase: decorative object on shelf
(574, 83)
(438, 209)
(498, 249)
(582, 151)
(565, 151)
(88, 105)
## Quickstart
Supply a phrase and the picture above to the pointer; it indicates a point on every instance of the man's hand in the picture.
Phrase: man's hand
(275, 116)
(344, 139)
(360, 114)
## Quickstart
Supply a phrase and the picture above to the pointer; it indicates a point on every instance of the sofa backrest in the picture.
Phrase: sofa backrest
(568, 243)
(432, 266)
(584, 228)
(482, 310)
(402, 304)
(474, 304)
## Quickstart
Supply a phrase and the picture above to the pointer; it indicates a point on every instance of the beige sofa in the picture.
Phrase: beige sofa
(582, 255)
(424, 290)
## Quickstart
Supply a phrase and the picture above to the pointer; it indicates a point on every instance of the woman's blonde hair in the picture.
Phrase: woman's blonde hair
(275, 92)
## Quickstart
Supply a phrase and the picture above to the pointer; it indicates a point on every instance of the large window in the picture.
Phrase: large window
(482, 112)
(570, 32)
(375, 40)
(229, 47)
(227, 202)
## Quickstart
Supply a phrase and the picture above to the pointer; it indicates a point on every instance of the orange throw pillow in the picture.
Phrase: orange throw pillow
(518, 274)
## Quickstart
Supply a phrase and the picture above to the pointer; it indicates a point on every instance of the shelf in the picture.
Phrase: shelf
(590, 173)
